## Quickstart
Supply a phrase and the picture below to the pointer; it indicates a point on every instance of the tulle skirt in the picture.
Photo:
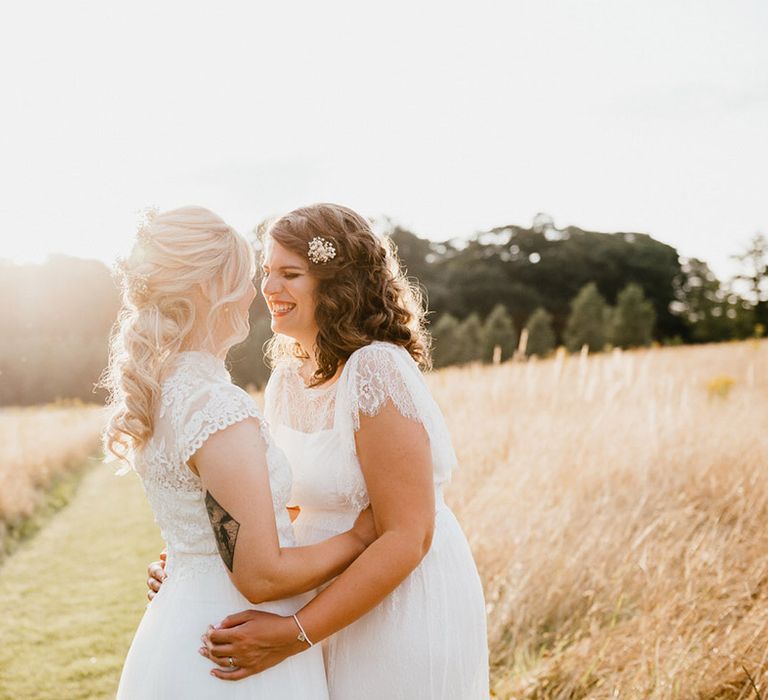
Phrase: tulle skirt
(427, 640)
(163, 661)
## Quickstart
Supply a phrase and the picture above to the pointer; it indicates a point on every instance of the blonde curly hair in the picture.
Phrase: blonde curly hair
(176, 254)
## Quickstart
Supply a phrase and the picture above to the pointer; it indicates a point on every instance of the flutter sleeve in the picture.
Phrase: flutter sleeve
(379, 373)
(383, 372)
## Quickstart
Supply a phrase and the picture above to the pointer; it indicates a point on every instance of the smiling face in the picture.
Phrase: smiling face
(289, 290)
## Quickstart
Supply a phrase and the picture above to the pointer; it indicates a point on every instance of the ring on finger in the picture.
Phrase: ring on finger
(231, 662)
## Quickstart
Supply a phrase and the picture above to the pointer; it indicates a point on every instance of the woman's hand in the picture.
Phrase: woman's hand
(156, 576)
(254, 640)
(365, 527)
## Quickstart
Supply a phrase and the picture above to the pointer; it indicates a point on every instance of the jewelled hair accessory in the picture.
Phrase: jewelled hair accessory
(321, 250)
(135, 284)
(146, 217)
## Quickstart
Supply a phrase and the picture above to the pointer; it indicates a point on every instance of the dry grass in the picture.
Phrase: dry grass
(38, 447)
(617, 507)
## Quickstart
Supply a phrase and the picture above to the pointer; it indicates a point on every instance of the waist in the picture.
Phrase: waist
(314, 524)
(181, 562)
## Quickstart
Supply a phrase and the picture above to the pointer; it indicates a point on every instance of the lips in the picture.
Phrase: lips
(281, 308)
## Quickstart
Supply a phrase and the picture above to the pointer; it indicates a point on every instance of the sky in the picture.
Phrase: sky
(447, 117)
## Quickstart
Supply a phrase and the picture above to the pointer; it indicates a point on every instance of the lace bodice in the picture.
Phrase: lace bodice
(316, 426)
(305, 409)
(198, 399)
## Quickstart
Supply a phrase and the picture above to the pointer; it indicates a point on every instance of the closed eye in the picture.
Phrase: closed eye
(287, 273)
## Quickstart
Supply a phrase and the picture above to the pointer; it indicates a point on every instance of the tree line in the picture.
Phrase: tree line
(591, 323)
(541, 285)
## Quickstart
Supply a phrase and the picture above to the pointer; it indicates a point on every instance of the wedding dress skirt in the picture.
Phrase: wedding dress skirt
(427, 639)
(164, 663)
(198, 399)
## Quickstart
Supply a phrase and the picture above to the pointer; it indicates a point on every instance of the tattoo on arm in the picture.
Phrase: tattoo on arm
(225, 529)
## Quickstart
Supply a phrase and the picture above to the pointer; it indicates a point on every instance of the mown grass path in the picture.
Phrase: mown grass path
(70, 598)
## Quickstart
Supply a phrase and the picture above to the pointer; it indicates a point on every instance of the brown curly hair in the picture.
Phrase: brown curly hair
(362, 295)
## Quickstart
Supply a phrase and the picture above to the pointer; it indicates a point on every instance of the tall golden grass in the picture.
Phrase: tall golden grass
(617, 506)
(39, 446)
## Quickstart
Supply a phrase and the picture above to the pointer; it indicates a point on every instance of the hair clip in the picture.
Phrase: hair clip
(138, 286)
(145, 219)
(134, 284)
(321, 250)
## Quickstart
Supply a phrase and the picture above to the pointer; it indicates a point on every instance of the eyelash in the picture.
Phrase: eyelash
(287, 275)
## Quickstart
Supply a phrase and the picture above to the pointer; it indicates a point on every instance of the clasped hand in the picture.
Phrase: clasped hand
(253, 639)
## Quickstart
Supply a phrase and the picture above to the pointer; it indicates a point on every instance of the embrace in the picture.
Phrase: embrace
(371, 591)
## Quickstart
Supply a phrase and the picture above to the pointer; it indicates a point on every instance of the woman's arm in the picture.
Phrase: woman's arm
(156, 569)
(232, 465)
(395, 457)
(396, 461)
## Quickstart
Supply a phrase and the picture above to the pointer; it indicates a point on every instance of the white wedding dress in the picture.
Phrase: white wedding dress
(197, 400)
(427, 639)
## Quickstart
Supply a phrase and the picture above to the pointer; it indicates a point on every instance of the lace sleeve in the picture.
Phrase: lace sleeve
(215, 407)
(381, 373)
(374, 375)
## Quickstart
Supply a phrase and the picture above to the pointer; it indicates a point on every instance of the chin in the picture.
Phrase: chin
(281, 328)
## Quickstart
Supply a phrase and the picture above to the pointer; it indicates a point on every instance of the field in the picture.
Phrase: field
(41, 452)
(616, 506)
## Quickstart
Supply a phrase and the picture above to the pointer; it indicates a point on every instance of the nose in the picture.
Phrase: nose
(270, 285)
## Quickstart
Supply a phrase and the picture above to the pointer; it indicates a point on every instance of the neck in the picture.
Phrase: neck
(197, 344)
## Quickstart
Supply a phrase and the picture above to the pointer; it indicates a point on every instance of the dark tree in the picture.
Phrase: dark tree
(541, 336)
(633, 318)
(469, 340)
(498, 331)
(587, 322)
(754, 262)
(445, 341)
(710, 310)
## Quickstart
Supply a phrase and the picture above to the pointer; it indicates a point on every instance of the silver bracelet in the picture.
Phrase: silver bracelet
(302, 634)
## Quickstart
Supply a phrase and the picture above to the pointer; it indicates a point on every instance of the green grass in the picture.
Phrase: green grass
(72, 596)
(57, 496)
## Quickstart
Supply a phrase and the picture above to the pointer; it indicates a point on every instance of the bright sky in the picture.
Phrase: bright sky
(645, 115)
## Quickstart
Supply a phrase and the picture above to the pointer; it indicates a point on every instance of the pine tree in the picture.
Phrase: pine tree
(633, 318)
(444, 341)
(541, 336)
(469, 340)
(499, 330)
(587, 322)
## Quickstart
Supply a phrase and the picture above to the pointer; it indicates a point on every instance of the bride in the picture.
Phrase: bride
(347, 403)
(217, 483)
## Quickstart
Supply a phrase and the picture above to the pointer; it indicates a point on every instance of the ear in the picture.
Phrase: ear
(201, 295)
